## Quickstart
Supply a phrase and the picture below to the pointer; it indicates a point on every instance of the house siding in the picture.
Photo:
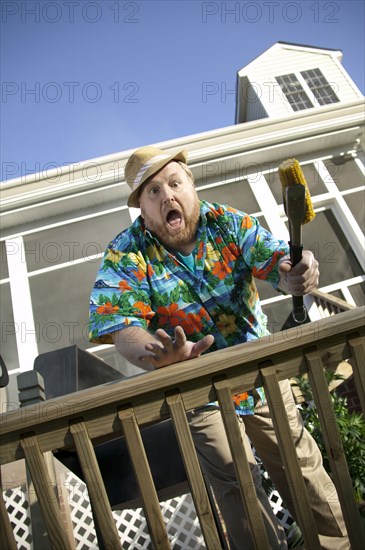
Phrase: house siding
(263, 94)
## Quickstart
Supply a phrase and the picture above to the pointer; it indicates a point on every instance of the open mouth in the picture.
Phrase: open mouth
(174, 218)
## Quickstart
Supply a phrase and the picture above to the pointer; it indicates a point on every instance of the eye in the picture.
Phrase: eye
(175, 183)
(153, 190)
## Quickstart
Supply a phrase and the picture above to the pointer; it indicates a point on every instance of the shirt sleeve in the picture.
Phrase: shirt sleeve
(120, 296)
(260, 250)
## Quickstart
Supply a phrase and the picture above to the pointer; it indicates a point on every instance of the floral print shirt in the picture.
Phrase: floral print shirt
(140, 283)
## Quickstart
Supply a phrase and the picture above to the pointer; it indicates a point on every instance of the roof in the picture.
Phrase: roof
(308, 46)
(316, 49)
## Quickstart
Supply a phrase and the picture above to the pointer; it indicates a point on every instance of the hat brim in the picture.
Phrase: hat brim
(133, 197)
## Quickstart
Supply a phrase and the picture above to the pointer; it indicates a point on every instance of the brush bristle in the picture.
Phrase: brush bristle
(291, 173)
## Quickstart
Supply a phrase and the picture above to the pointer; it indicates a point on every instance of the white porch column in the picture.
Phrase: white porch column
(25, 334)
(268, 206)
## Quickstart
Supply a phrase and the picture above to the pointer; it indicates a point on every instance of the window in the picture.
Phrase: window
(345, 172)
(238, 193)
(294, 92)
(318, 85)
(325, 237)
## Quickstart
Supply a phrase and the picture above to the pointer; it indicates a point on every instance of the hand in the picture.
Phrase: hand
(302, 278)
(167, 350)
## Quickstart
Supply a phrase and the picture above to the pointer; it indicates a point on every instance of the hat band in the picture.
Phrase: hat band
(146, 166)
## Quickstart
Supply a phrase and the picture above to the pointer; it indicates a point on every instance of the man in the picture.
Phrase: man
(179, 282)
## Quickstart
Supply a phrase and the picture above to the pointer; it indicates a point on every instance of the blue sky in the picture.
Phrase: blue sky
(83, 79)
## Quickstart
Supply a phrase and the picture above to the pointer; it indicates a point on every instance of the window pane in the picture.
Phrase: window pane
(337, 294)
(9, 350)
(61, 305)
(315, 184)
(238, 195)
(262, 221)
(358, 294)
(266, 290)
(4, 273)
(325, 238)
(294, 92)
(73, 241)
(356, 203)
(321, 89)
(277, 314)
(345, 172)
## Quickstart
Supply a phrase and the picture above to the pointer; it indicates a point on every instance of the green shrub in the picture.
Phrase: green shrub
(352, 432)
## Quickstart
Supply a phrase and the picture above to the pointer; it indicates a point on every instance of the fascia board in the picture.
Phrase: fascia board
(203, 146)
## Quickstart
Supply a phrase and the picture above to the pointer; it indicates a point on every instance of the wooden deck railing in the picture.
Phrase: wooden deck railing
(328, 304)
(78, 421)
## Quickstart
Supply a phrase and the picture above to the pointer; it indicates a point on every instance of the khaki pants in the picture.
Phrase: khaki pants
(215, 458)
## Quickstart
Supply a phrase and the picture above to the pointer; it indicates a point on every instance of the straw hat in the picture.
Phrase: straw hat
(145, 162)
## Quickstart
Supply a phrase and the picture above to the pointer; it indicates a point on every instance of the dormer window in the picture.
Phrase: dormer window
(294, 92)
(318, 85)
(307, 89)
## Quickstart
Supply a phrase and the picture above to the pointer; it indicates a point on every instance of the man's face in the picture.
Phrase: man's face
(170, 207)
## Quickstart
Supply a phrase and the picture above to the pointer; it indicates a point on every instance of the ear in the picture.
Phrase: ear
(141, 210)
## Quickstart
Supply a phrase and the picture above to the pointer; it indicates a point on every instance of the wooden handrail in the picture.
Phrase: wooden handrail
(101, 411)
(329, 300)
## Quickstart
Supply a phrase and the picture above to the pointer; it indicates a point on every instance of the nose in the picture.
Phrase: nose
(167, 195)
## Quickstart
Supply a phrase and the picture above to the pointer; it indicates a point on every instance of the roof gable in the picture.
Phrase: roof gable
(279, 46)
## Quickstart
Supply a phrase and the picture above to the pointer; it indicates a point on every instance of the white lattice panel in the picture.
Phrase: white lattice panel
(181, 522)
(18, 509)
(81, 515)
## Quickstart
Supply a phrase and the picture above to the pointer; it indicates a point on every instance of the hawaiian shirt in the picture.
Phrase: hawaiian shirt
(140, 283)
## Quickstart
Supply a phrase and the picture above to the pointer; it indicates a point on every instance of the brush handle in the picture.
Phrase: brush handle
(295, 253)
(299, 312)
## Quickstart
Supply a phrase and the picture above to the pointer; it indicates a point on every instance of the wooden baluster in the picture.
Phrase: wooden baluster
(8, 539)
(303, 511)
(45, 492)
(31, 392)
(336, 455)
(193, 471)
(357, 361)
(98, 497)
(144, 479)
(242, 467)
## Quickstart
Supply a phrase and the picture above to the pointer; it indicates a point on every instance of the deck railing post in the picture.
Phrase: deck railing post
(335, 452)
(303, 511)
(357, 360)
(156, 525)
(242, 467)
(32, 391)
(193, 471)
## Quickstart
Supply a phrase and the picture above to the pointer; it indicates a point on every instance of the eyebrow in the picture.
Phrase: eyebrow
(156, 180)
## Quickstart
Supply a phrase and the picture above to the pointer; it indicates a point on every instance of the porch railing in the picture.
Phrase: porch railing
(328, 304)
(81, 420)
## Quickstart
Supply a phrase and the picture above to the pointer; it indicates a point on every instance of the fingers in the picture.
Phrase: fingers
(307, 262)
(304, 276)
(165, 339)
(166, 350)
(168, 343)
(202, 345)
(154, 348)
(285, 264)
(180, 337)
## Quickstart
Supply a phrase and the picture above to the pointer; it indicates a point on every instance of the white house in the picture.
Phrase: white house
(292, 101)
